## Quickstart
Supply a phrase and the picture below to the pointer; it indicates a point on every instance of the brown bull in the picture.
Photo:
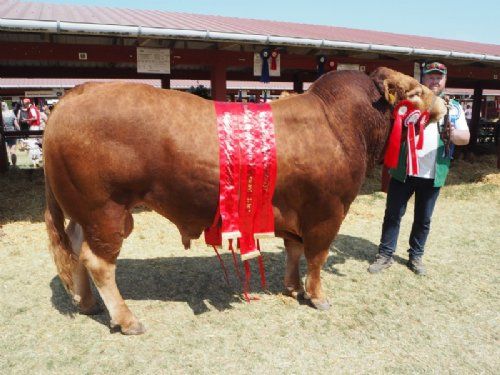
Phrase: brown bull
(103, 157)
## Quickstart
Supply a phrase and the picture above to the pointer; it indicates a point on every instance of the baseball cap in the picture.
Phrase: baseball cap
(435, 67)
(26, 100)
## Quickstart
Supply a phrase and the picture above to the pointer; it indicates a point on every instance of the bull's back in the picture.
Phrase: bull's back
(116, 110)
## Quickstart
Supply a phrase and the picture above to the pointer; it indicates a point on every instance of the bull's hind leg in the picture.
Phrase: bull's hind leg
(103, 274)
(83, 297)
(293, 284)
(99, 252)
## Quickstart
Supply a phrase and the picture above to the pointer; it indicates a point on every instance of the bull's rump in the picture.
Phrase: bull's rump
(132, 143)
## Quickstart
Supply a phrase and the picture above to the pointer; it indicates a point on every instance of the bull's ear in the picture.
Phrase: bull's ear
(382, 77)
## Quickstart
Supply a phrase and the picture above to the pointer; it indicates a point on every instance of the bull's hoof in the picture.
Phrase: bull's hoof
(319, 304)
(297, 293)
(92, 310)
(135, 328)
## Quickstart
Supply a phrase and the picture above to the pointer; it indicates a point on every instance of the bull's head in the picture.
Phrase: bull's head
(396, 87)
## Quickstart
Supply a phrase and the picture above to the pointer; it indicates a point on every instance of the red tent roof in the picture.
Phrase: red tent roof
(13, 9)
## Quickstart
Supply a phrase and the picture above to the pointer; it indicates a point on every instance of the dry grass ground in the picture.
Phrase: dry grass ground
(395, 322)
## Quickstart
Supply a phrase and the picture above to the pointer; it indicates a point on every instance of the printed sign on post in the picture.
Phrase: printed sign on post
(153, 60)
(348, 67)
(54, 93)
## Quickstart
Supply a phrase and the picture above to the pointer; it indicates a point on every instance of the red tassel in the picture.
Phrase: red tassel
(262, 270)
(262, 273)
(412, 162)
(422, 121)
(246, 286)
(235, 261)
(420, 143)
(223, 266)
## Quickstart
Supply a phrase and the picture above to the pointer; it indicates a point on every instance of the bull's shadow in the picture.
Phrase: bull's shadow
(348, 247)
(199, 281)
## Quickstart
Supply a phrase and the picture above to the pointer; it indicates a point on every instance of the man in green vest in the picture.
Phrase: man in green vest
(433, 164)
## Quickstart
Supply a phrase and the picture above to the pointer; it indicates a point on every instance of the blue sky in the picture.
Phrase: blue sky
(476, 21)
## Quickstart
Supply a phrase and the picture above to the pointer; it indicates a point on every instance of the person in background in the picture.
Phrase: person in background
(434, 161)
(28, 117)
(468, 114)
(10, 124)
(16, 107)
(34, 117)
(23, 115)
(46, 109)
(43, 116)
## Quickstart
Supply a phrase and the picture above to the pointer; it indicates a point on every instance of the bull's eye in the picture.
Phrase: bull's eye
(417, 92)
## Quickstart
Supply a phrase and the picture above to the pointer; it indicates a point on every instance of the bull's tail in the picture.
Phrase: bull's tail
(59, 243)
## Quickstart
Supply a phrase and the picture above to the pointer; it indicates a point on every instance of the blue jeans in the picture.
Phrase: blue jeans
(397, 197)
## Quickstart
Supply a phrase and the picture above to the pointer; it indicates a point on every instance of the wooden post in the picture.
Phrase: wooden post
(165, 82)
(497, 143)
(4, 159)
(476, 113)
(218, 82)
(298, 85)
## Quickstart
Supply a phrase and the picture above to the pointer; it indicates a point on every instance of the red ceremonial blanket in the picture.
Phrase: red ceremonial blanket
(247, 158)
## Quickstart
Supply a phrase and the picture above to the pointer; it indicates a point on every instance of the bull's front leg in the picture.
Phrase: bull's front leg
(293, 284)
(317, 240)
(314, 291)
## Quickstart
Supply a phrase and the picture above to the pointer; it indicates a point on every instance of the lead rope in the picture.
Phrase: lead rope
(445, 129)
(235, 261)
(246, 286)
(246, 264)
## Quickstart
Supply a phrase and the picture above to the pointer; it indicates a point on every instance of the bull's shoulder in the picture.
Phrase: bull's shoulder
(346, 80)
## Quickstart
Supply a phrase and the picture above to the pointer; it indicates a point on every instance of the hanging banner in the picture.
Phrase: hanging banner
(153, 60)
(274, 62)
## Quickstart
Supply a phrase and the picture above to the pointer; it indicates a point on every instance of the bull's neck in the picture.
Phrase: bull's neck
(360, 126)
